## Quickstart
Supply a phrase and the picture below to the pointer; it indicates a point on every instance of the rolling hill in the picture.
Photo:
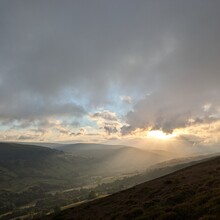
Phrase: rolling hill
(116, 159)
(39, 176)
(22, 166)
(191, 193)
(35, 180)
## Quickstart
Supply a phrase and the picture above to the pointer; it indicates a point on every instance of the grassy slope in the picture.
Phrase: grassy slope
(22, 166)
(191, 193)
(117, 158)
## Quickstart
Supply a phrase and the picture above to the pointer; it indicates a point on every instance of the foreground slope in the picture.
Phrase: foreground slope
(192, 193)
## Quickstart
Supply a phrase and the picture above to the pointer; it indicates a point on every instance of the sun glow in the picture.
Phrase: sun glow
(158, 134)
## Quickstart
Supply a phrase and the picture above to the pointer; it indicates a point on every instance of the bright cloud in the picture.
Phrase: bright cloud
(95, 71)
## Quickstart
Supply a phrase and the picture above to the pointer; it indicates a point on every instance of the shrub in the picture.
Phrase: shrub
(134, 214)
(208, 217)
(167, 182)
(168, 216)
(184, 211)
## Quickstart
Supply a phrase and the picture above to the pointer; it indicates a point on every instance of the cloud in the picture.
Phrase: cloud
(67, 59)
(106, 115)
(168, 111)
(24, 138)
(107, 121)
(126, 99)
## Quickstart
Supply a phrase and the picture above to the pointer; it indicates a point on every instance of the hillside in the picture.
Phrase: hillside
(35, 179)
(31, 175)
(116, 159)
(191, 193)
(14, 151)
(22, 166)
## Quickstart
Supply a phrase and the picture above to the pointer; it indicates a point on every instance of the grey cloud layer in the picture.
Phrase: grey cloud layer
(108, 121)
(168, 49)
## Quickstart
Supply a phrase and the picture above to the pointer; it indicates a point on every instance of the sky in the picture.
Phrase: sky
(118, 71)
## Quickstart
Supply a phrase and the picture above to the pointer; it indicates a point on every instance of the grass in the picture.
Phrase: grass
(188, 194)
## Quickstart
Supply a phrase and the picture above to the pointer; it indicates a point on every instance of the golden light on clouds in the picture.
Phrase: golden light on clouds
(158, 134)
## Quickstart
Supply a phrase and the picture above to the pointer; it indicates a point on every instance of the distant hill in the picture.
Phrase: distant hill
(26, 165)
(14, 151)
(42, 144)
(90, 149)
(117, 158)
(191, 193)
(22, 166)
(35, 180)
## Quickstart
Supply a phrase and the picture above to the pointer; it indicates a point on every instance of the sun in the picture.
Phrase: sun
(158, 134)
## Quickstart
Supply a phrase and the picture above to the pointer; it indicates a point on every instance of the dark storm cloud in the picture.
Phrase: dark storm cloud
(168, 49)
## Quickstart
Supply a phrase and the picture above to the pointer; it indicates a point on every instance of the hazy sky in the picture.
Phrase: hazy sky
(109, 70)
